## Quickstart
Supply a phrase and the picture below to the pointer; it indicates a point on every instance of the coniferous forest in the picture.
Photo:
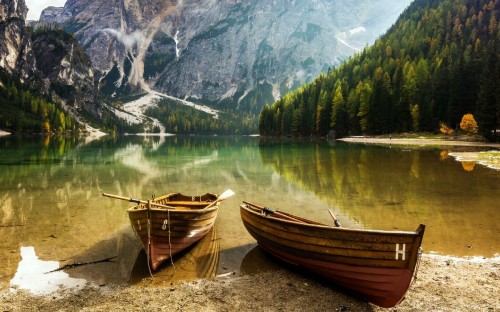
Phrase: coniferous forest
(437, 63)
(23, 111)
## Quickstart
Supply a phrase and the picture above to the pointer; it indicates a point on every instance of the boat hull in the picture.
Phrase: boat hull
(164, 233)
(377, 266)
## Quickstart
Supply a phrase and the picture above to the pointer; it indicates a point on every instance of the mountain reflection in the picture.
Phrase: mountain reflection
(51, 194)
(395, 188)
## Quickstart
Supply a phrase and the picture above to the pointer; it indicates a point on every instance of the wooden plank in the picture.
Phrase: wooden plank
(346, 255)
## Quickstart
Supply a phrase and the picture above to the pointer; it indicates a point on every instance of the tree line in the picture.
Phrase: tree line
(180, 119)
(22, 111)
(437, 63)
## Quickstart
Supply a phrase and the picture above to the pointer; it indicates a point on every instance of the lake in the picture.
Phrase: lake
(53, 213)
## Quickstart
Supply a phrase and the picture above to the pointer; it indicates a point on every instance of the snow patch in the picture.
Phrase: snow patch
(300, 75)
(242, 97)
(276, 92)
(230, 93)
(176, 39)
(343, 37)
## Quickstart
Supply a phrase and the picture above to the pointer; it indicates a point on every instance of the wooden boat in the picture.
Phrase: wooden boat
(377, 266)
(169, 224)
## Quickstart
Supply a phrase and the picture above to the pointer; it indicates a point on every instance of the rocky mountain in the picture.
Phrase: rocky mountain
(16, 52)
(66, 70)
(48, 62)
(230, 54)
(52, 14)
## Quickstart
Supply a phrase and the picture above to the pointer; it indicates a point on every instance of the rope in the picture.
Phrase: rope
(149, 242)
(417, 266)
(169, 242)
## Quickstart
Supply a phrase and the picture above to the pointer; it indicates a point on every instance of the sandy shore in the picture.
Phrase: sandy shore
(417, 142)
(443, 284)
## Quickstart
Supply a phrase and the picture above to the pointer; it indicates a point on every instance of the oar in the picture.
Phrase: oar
(227, 193)
(337, 223)
(137, 201)
(270, 211)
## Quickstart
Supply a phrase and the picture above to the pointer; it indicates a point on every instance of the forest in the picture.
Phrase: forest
(181, 119)
(437, 63)
(23, 111)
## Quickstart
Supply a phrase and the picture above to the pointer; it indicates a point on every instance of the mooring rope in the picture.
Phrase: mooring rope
(149, 241)
(169, 242)
(417, 265)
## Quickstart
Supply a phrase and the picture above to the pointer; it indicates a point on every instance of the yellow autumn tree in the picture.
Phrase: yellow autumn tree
(468, 124)
(443, 128)
(46, 127)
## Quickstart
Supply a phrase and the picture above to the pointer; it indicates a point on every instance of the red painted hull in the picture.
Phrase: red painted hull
(365, 263)
(383, 287)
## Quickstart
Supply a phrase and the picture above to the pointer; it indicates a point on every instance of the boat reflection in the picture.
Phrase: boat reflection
(127, 264)
(199, 261)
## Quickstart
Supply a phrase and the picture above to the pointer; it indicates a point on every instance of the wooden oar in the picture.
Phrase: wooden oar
(270, 211)
(137, 201)
(335, 221)
(227, 193)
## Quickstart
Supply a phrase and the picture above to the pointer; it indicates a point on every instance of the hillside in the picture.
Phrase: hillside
(438, 62)
(47, 80)
(226, 54)
(231, 56)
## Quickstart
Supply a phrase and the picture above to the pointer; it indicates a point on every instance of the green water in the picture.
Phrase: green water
(50, 195)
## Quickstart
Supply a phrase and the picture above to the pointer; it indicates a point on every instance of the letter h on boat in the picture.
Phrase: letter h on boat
(400, 252)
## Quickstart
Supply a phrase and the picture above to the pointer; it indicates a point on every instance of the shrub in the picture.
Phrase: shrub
(468, 124)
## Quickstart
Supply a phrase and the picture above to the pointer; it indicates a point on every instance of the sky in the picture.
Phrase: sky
(36, 7)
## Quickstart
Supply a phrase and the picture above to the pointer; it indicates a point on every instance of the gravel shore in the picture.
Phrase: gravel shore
(443, 284)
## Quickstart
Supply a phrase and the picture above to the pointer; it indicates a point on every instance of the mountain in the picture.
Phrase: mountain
(16, 52)
(232, 55)
(46, 77)
(436, 64)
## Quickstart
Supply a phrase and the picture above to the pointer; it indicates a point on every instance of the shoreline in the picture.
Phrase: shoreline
(490, 159)
(443, 283)
(418, 142)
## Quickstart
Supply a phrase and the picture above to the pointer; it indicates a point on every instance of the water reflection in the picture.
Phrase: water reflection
(39, 277)
(50, 197)
(199, 261)
(396, 188)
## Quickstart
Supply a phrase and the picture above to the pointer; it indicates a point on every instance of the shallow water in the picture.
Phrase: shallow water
(50, 198)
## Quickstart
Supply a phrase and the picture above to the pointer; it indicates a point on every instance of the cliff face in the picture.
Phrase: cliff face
(223, 52)
(49, 61)
(16, 53)
(66, 69)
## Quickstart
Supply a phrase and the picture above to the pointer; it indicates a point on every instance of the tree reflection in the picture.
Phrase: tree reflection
(393, 188)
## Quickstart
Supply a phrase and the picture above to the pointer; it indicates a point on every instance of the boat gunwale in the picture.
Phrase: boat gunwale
(314, 224)
(174, 209)
(156, 200)
(356, 246)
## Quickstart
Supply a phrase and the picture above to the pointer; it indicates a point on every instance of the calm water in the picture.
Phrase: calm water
(52, 211)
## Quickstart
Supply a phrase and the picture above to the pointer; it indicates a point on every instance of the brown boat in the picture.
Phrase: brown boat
(168, 224)
(377, 266)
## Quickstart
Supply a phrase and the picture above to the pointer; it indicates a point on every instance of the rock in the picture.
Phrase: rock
(241, 53)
